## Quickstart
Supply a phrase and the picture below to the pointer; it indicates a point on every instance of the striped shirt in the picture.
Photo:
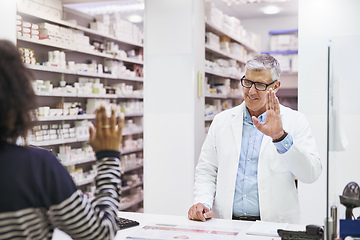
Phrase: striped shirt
(37, 195)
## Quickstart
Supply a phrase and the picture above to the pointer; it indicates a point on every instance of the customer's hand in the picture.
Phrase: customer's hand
(200, 212)
(272, 126)
(106, 136)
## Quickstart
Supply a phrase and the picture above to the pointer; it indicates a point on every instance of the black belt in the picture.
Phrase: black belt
(246, 218)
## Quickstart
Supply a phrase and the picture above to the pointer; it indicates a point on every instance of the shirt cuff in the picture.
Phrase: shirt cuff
(206, 205)
(107, 153)
(284, 145)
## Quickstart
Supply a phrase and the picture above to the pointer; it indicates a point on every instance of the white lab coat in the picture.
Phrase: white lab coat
(216, 171)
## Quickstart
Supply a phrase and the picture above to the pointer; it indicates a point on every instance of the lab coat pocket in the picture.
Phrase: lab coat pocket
(276, 163)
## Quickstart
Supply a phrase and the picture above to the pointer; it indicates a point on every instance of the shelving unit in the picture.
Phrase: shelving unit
(132, 138)
(226, 54)
(284, 47)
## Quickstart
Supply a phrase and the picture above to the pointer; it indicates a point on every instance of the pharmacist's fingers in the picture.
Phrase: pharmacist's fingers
(200, 214)
(270, 99)
(196, 212)
(208, 214)
(267, 97)
(277, 105)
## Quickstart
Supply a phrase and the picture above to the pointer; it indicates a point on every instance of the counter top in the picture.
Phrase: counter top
(145, 219)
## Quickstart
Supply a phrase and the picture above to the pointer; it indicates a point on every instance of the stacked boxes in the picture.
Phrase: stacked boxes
(56, 34)
(27, 55)
(53, 131)
(286, 40)
(46, 8)
(225, 66)
(230, 25)
(288, 60)
(113, 24)
(213, 15)
(26, 29)
(284, 45)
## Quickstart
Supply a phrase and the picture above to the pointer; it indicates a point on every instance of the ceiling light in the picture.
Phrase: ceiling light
(270, 10)
(135, 18)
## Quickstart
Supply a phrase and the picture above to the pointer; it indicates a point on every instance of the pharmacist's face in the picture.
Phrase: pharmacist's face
(255, 99)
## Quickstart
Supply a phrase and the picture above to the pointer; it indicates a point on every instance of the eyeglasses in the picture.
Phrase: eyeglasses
(258, 85)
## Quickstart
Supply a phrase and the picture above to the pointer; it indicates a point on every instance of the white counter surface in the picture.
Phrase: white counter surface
(146, 219)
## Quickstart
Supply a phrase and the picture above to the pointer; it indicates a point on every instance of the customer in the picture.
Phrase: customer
(37, 193)
(253, 153)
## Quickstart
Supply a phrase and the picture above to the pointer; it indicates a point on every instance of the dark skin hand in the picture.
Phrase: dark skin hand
(107, 135)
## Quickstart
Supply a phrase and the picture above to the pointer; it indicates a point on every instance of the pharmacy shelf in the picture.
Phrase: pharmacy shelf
(79, 117)
(132, 132)
(131, 168)
(92, 95)
(222, 54)
(130, 204)
(209, 118)
(57, 142)
(46, 42)
(127, 115)
(224, 75)
(49, 43)
(128, 151)
(45, 17)
(289, 73)
(211, 27)
(71, 140)
(223, 96)
(127, 188)
(53, 72)
(88, 74)
(80, 161)
(216, 96)
(64, 118)
(287, 92)
(233, 96)
(89, 179)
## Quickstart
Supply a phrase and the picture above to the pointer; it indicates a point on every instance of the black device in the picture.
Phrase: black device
(126, 223)
(350, 198)
(313, 232)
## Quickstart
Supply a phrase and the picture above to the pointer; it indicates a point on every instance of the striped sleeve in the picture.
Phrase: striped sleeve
(83, 218)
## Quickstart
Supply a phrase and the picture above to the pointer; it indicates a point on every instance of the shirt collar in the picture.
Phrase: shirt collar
(247, 117)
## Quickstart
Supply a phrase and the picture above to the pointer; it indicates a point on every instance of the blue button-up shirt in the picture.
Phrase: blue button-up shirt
(246, 198)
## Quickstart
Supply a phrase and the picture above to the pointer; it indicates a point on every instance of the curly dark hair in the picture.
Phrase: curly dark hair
(17, 97)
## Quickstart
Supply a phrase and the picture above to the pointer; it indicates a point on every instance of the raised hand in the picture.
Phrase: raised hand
(272, 126)
(106, 136)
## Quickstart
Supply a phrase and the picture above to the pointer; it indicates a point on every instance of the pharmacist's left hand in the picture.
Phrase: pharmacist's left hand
(106, 136)
(272, 126)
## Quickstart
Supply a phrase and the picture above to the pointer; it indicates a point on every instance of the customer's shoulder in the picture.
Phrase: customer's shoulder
(32, 154)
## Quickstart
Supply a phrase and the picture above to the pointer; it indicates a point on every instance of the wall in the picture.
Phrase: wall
(8, 20)
(319, 22)
(173, 54)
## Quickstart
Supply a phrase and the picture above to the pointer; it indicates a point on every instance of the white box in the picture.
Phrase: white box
(37, 1)
(57, 4)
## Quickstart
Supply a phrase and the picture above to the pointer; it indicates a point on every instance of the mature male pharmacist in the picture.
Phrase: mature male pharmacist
(253, 153)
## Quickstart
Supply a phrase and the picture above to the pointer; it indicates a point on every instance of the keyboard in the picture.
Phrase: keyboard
(126, 223)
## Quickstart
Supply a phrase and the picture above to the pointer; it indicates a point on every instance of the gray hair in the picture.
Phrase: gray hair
(265, 62)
